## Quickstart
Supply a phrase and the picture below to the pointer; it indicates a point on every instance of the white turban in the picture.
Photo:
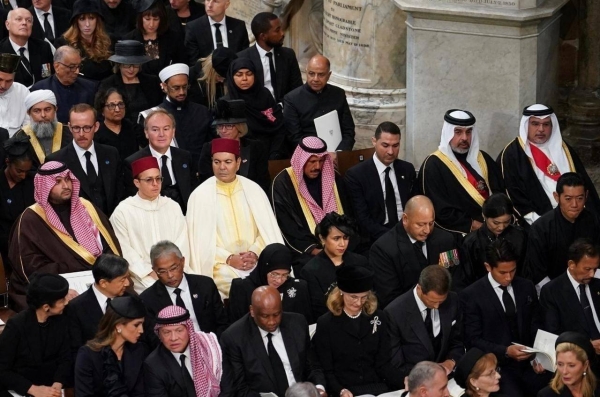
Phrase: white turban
(172, 70)
(39, 96)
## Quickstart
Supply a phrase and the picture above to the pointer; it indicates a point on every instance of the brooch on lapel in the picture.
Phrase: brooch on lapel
(195, 296)
(375, 323)
(449, 258)
(291, 292)
(230, 31)
(185, 166)
(8, 201)
(107, 162)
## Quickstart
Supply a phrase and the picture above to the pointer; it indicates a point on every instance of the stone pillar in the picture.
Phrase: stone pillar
(584, 104)
(365, 40)
(492, 57)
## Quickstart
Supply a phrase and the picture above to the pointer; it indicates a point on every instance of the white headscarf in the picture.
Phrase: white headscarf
(448, 134)
(552, 148)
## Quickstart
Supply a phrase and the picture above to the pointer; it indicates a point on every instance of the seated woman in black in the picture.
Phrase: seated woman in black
(35, 359)
(477, 373)
(273, 268)
(352, 342)
(334, 232)
(498, 224)
(111, 363)
(231, 124)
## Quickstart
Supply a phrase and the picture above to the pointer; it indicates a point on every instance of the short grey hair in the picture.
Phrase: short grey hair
(61, 51)
(162, 248)
(302, 389)
(156, 111)
(422, 374)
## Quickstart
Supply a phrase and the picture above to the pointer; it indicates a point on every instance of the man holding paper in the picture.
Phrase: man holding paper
(501, 316)
(314, 99)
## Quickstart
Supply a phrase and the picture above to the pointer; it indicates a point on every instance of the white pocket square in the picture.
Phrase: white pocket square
(453, 322)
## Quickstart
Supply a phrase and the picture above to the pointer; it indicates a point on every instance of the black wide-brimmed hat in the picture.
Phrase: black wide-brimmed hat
(85, 7)
(354, 279)
(129, 52)
(230, 112)
(9, 63)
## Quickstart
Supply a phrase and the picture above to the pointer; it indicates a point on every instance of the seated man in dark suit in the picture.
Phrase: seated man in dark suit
(97, 166)
(176, 165)
(276, 65)
(267, 349)
(49, 21)
(427, 379)
(186, 361)
(36, 55)
(214, 30)
(69, 88)
(111, 279)
(398, 256)
(369, 181)
(425, 323)
(198, 294)
(571, 302)
(501, 309)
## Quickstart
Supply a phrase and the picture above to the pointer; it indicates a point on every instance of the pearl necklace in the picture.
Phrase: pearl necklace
(351, 316)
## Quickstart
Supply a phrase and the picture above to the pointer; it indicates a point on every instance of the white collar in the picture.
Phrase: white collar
(380, 166)
(16, 47)
(40, 13)
(212, 21)
(81, 152)
(100, 297)
(574, 282)
(262, 52)
(494, 283)
(183, 286)
(187, 355)
(420, 303)
(264, 333)
(158, 155)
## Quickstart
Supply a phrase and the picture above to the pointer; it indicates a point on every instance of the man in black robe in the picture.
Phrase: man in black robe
(552, 234)
(303, 194)
(458, 177)
(532, 163)
(61, 233)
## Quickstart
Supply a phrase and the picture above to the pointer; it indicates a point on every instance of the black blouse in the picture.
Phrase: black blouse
(125, 141)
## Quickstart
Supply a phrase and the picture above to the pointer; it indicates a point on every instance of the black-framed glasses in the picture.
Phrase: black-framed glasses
(130, 66)
(158, 180)
(77, 129)
(227, 127)
(72, 68)
(113, 106)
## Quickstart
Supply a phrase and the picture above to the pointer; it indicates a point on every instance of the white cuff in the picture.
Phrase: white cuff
(538, 286)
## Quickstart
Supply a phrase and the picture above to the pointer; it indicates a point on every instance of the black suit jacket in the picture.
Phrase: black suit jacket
(199, 42)
(561, 307)
(286, 69)
(62, 22)
(408, 337)
(40, 54)
(162, 374)
(395, 262)
(110, 170)
(208, 306)
(84, 315)
(365, 191)
(245, 352)
(182, 168)
(484, 318)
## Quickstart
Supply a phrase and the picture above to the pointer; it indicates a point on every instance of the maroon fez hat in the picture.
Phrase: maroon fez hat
(224, 145)
(143, 164)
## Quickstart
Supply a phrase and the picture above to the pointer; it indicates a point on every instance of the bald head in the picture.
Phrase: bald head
(18, 23)
(319, 61)
(266, 308)
(418, 217)
(317, 73)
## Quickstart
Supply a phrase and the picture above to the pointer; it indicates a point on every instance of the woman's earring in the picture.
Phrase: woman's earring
(584, 373)
(119, 330)
(476, 388)
(341, 293)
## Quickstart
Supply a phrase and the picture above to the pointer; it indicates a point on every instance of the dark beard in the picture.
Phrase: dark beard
(44, 129)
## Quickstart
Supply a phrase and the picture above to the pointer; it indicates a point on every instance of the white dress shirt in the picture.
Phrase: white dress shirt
(158, 157)
(575, 285)
(264, 59)
(424, 248)
(83, 160)
(277, 340)
(381, 172)
(435, 314)
(222, 28)
(101, 298)
(499, 291)
(186, 296)
(188, 361)
(40, 17)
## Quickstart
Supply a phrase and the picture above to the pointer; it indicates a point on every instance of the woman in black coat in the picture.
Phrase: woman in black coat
(110, 365)
(273, 268)
(334, 232)
(35, 356)
(352, 341)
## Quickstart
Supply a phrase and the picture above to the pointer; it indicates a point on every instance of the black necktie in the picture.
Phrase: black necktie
(218, 36)
(429, 324)
(89, 169)
(164, 171)
(589, 316)
(420, 255)
(29, 76)
(390, 199)
(178, 300)
(187, 378)
(47, 28)
(278, 370)
(273, 75)
(509, 304)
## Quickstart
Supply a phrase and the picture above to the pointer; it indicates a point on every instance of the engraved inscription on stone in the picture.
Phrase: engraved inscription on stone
(343, 21)
(513, 4)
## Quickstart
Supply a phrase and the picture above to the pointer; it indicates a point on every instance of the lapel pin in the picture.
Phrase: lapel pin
(185, 166)
(230, 31)
(107, 162)
(195, 296)
(402, 176)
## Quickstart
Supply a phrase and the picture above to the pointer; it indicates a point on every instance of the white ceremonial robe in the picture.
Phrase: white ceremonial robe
(12, 108)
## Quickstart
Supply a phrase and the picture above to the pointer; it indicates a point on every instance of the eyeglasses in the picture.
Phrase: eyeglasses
(71, 68)
(77, 129)
(278, 276)
(356, 298)
(172, 269)
(176, 88)
(130, 66)
(149, 181)
(227, 127)
(113, 106)
(493, 372)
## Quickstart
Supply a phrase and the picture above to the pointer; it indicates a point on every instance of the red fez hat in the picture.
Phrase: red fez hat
(224, 145)
(143, 164)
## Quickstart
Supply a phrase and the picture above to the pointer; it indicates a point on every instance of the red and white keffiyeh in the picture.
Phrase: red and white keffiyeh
(86, 232)
(205, 352)
(313, 146)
